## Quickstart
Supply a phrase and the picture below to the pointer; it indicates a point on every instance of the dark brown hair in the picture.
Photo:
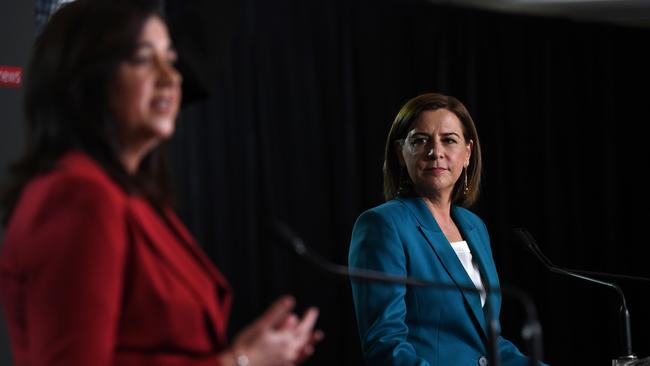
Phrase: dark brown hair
(396, 179)
(66, 95)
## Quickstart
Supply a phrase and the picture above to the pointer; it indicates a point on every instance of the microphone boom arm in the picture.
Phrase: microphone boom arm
(626, 333)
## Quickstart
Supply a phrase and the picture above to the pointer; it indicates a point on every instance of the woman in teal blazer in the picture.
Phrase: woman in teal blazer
(432, 168)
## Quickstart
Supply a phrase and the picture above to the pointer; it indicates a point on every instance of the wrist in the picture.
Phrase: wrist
(233, 357)
(241, 359)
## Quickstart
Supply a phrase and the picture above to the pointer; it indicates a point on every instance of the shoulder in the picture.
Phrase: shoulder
(390, 210)
(77, 185)
(392, 218)
(77, 175)
(75, 208)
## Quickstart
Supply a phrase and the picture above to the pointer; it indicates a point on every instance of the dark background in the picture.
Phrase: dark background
(295, 124)
(16, 38)
(288, 106)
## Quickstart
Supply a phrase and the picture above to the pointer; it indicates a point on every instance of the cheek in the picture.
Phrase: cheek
(131, 100)
(411, 163)
(139, 94)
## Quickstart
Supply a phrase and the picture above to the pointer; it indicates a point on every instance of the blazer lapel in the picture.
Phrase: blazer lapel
(443, 250)
(480, 253)
(193, 247)
(166, 245)
(223, 289)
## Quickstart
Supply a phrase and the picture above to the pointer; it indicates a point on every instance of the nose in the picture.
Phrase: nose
(168, 75)
(434, 151)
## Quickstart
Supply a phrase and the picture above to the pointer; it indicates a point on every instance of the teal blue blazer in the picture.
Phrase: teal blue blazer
(401, 325)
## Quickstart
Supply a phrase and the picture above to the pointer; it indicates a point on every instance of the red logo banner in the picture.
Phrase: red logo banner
(11, 76)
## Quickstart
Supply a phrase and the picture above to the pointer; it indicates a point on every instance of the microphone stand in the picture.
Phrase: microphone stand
(531, 331)
(628, 358)
(609, 275)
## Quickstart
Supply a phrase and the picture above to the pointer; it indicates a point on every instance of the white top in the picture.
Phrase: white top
(471, 267)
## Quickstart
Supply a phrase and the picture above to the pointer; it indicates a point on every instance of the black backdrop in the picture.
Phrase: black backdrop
(289, 103)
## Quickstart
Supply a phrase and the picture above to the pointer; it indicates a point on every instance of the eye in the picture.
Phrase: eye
(140, 59)
(449, 140)
(419, 141)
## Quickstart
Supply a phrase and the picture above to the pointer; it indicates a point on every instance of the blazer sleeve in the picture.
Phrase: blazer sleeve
(380, 308)
(78, 240)
(510, 355)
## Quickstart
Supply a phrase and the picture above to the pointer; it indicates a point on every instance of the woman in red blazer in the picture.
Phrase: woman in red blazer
(95, 268)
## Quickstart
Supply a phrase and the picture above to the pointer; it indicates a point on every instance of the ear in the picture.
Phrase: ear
(469, 146)
(399, 146)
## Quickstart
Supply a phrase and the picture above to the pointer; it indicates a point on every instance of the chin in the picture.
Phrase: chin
(164, 129)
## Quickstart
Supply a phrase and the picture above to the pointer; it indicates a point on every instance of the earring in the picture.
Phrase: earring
(466, 189)
(405, 183)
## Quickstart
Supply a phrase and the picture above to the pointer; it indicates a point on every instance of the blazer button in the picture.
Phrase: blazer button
(482, 361)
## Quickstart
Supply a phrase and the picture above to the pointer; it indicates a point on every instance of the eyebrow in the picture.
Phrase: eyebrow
(442, 134)
(144, 44)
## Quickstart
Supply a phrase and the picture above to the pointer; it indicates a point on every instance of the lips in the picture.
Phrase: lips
(163, 104)
(435, 170)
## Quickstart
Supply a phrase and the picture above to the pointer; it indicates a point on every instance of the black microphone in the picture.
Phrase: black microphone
(527, 239)
(531, 331)
(614, 276)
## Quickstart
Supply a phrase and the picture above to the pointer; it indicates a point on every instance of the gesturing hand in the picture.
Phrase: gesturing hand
(278, 337)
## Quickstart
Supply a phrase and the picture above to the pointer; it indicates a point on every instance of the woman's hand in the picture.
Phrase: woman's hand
(315, 337)
(277, 338)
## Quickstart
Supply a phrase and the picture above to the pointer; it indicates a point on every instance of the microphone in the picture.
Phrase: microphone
(609, 275)
(531, 331)
(299, 247)
(628, 356)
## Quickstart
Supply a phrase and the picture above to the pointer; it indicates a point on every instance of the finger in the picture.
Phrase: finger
(308, 320)
(305, 353)
(308, 349)
(276, 313)
(317, 336)
(289, 322)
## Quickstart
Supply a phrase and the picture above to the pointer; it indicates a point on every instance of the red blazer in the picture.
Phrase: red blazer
(92, 276)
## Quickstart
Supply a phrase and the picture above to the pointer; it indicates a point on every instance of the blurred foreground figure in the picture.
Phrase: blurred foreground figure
(96, 269)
